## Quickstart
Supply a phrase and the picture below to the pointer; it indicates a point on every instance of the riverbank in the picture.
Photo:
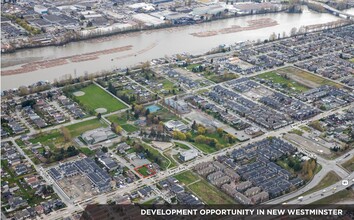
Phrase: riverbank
(45, 64)
(76, 37)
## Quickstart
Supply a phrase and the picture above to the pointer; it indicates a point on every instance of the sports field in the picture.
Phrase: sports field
(95, 98)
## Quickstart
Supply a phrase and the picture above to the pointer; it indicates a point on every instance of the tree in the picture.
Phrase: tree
(293, 31)
(72, 151)
(194, 125)
(23, 90)
(104, 149)
(219, 131)
(66, 133)
(99, 116)
(188, 136)
(272, 37)
(118, 129)
(179, 135)
(147, 112)
(201, 130)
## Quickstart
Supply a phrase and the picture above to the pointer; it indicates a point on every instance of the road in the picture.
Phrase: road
(330, 190)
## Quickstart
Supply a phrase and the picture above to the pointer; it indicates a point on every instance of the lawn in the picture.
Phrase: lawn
(187, 177)
(95, 97)
(344, 195)
(169, 86)
(151, 201)
(210, 194)
(167, 154)
(129, 128)
(118, 119)
(221, 78)
(162, 162)
(144, 171)
(296, 131)
(191, 66)
(305, 128)
(54, 138)
(51, 139)
(86, 151)
(122, 121)
(79, 128)
(349, 165)
(165, 114)
(182, 146)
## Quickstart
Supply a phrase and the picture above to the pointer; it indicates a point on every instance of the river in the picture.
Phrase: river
(349, 11)
(146, 45)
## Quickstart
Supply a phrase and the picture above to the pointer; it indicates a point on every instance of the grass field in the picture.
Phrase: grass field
(344, 195)
(55, 139)
(277, 78)
(173, 163)
(122, 121)
(221, 78)
(86, 151)
(210, 194)
(95, 97)
(167, 85)
(349, 165)
(143, 171)
(78, 128)
(183, 146)
(209, 149)
(151, 201)
(187, 177)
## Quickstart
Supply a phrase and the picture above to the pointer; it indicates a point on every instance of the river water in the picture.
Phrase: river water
(349, 11)
(146, 46)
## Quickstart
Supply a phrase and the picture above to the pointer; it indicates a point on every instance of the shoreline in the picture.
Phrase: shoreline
(133, 31)
(45, 64)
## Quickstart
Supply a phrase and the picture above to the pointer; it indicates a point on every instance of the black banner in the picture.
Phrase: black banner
(261, 212)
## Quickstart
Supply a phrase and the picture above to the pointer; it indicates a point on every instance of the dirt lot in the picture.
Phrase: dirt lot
(257, 93)
(77, 187)
(308, 144)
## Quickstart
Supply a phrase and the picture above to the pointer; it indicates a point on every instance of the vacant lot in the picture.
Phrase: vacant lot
(296, 79)
(95, 98)
(349, 165)
(144, 171)
(306, 78)
(210, 194)
(187, 177)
